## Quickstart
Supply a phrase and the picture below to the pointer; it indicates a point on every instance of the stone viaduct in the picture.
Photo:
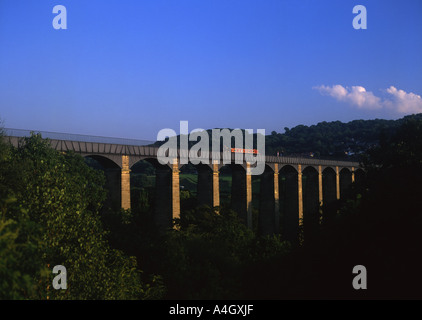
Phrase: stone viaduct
(291, 188)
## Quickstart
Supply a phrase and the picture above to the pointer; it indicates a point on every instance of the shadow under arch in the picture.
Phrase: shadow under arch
(359, 176)
(209, 186)
(225, 185)
(289, 203)
(240, 202)
(310, 198)
(345, 182)
(142, 185)
(268, 218)
(329, 194)
(191, 182)
(232, 189)
(112, 172)
(160, 194)
(103, 162)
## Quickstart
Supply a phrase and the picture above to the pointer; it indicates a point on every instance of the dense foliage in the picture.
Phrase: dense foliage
(332, 139)
(204, 257)
(50, 216)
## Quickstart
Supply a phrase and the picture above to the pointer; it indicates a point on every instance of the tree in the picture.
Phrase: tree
(21, 266)
(59, 197)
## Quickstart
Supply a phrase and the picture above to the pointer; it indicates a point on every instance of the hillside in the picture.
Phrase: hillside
(332, 139)
(327, 140)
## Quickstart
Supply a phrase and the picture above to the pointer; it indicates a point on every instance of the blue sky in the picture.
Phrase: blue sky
(131, 68)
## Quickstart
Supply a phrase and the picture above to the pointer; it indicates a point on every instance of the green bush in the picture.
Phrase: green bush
(55, 220)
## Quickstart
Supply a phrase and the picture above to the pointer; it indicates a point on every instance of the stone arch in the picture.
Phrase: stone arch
(309, 167)
(106, 161)
(288, 167)
(151, 160)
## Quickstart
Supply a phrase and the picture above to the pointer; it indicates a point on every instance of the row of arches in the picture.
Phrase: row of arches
(283, 198)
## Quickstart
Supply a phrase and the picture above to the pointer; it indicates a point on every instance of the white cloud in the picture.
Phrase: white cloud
(405, 102)
(337, 91)
(399, 100)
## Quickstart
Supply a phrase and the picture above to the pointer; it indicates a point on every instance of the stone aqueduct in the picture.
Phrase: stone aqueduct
(295, 186)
